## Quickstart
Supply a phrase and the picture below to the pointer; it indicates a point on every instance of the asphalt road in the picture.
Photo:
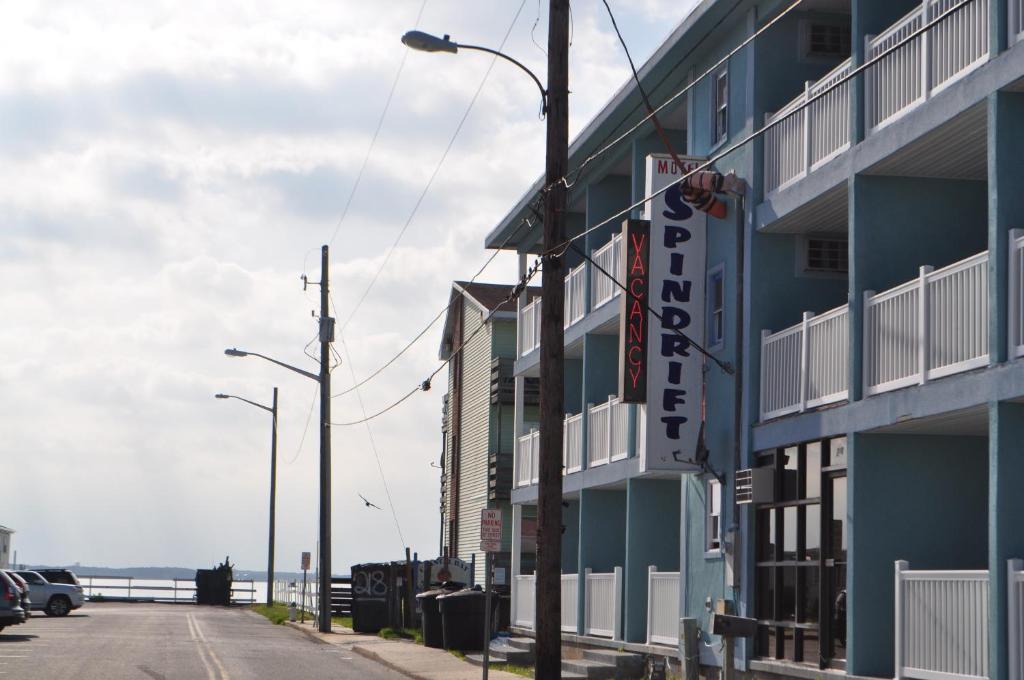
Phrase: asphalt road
(171, 642)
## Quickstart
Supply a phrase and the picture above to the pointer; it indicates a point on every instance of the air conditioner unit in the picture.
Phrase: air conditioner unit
(755, 485)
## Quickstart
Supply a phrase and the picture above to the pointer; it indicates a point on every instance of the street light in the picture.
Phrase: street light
(273, 484)
(555, 105)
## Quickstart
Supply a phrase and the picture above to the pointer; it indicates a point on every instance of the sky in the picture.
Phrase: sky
(170, 170)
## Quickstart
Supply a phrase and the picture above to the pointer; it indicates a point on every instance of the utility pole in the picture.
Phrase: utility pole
(273, 502)
(552, 354)
(326, 338)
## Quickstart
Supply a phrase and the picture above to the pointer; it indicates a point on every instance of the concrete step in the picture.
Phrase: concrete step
(510, 654)
(523, 643)
(573, 676)
(588, 668)
(629, 665)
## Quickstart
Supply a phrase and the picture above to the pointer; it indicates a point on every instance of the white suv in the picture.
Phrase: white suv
(56, 599)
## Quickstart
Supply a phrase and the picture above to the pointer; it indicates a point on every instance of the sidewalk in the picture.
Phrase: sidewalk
(408, 658)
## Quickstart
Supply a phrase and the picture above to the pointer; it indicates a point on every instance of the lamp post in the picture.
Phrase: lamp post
(555, 105)
(273, 485)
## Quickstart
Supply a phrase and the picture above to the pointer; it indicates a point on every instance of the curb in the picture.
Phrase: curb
(308, 632)
(372, 656)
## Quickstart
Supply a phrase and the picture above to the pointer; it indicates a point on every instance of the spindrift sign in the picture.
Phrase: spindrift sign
(677, 257)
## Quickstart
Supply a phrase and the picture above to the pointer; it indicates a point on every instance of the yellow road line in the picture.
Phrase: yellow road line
(200, 647)
(220, 667)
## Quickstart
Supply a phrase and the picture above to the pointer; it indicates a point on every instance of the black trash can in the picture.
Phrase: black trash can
(430, 616)
(462, 619)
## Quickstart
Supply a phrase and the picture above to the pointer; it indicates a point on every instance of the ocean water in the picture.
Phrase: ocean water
(181, 590)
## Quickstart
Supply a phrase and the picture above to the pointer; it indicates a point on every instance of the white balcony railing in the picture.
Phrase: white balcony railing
(805, 365)
(933, 326)
(572, 444)
(527, 455)
(607, 432)
(926, 64)
(941, 623)
(808, 138)
(1016, 9)
(526, 601)
(609, 258)
(603, 604)
(1016, 283)
(529, 327)
(641, 429)
(1015, 619)
(662, 607)
(570, 602)
(575, 295)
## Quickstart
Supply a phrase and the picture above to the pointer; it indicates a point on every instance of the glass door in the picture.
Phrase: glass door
(833, 582)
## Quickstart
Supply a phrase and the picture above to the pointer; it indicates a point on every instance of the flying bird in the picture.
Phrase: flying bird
(368, 503)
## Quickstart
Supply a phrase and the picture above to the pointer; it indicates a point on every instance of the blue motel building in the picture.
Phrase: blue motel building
(863, 491)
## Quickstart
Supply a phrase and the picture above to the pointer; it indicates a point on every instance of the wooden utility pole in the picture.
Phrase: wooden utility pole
(552, 354)
(326, 338)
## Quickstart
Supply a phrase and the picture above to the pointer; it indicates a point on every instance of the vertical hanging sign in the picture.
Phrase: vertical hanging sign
(634, 274)
(678, 264)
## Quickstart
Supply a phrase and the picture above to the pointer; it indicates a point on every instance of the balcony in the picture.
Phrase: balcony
(805, 139)
(607, 432)
(932, 326)
(578, 303)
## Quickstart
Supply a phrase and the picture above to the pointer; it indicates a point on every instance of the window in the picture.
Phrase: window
(824, 256)
(824, 40)
(720, 107)
(714, 526)
(716, 307)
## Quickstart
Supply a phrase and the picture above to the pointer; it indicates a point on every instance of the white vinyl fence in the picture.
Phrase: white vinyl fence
(1016, 10)
(575, 295)
(529, 327)
(933, 326)
(662, 607)
(805, 365)
(941, 623)
(572, 444)
(603, 604)
(527, 455)
(526, 601)
(1016, 283)
(809, 137)
(1015, 619)
(607, 432)
(609, 258)
(927, 63)
(570, 602)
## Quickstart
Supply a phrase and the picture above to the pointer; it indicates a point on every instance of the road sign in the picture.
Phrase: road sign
(305, 561)
(490, 530)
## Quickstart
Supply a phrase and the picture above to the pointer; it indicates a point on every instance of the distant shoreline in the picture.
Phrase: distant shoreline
(166, 573)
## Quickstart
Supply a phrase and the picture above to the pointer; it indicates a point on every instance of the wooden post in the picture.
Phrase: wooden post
(410, 602)
(728, 667)
(691, 648)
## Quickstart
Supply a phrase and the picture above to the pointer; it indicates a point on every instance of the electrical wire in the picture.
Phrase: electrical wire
(373, 444)
(305, 430)
(376, 132)
(433, 175)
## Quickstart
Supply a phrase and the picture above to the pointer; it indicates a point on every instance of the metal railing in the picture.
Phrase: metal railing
(575, 295)
(1016, 292)
(526, 601)
(1015, 617)
(570, 603)
(603, 604)
(662, 607)
(609, 258)
(529, 327)
(572, 444)
(805, 365)
(291, 591)
(927, 63)
(809, 137)
(156, 590)
(527, 455)
(933, 326)
(941, 623)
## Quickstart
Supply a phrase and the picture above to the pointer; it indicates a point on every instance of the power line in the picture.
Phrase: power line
(376, 132)
(433, 175)
(305, 430)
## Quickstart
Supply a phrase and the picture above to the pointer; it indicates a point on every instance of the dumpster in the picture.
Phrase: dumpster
(372, 597)
(462, 619)
(213, 586)
(430, 613)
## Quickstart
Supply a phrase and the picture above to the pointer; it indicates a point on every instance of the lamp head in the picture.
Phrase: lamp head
(235, 352)
(424, 42)
(220, 396)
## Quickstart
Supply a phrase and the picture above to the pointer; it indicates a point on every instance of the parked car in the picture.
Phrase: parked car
(26, 601)
(55, 599)
(11, 611)
(59, 576)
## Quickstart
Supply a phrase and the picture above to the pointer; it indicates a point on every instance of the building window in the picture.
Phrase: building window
(720, 107)
(823, 256)
(824, 40)
(713, 534)
(716, 307)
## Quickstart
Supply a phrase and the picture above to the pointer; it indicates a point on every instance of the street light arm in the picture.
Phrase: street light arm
(488, 50)
(265, 408)
(311, 376)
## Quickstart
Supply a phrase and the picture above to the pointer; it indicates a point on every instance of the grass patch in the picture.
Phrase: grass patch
(278, 613)
(344, 621)
(413, 634)
(525, 671)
